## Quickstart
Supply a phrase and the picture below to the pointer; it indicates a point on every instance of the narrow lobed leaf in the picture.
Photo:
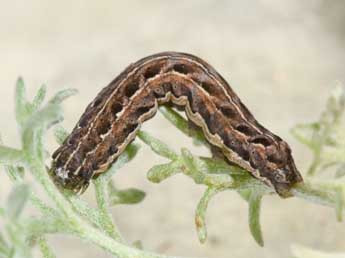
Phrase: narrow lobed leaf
(16, 174)
(62, 95)
(158, 173)
(16, 200)
(254, 203)
(39, 98)
(157, 146)
(60, 134)
(91, 214)
(304, 133)
(200, 213)
(46, 251)
(339, 203)
(32, 133)
(11, 156)
(182, 124)
(126, 196)
(216, 166)
(20, 102)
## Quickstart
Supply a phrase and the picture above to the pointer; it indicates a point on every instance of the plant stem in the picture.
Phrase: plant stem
(102, 198)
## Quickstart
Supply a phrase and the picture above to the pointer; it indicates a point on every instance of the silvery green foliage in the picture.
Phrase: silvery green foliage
(66, 213)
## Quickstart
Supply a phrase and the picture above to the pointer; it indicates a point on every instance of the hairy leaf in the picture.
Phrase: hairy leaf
(17, 200)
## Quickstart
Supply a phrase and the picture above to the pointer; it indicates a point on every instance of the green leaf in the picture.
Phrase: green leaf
(315, 192)
(126, 196)
(60, 134)
(46, 251)
(36, 227)
(305, 133)
(62, 95)
(217, 166)
(17, 200)
(138, 244)
(200, 213)
(157, 146)
(10, 156)
(254, 203)
(4, 252)
(32, 133)
(3, 246)
(20, 102)
(44, 208)
(158, 173)
(339, 203)
(16, 174)
(39, 98)
(91, 214)
(180, 123)
(189, 161)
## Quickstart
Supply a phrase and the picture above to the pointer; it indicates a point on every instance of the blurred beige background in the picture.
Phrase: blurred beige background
(281, 57)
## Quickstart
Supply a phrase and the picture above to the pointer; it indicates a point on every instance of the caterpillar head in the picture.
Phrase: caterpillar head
(274, 161)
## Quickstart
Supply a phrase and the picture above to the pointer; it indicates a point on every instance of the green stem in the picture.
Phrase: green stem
(79, 226)
(102, 198)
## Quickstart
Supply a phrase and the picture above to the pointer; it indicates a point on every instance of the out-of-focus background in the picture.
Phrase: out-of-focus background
(281, 57)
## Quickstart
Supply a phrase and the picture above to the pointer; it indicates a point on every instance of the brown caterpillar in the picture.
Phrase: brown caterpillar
(111, 120)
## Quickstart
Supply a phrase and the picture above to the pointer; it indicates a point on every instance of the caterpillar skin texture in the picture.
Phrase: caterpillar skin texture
(112, 119)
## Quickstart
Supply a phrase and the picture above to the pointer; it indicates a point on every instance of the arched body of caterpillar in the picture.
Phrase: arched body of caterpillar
(112, 119)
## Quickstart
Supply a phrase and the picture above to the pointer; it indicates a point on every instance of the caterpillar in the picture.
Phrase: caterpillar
(111, 121)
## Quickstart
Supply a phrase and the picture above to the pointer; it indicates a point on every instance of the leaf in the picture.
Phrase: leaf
(44, 208)
(39, 98)
(157, 146)
(62, 95)
(91, 214)
(10, 156)
(20, 102)
(305, 133)
(126, 196)
(32, 133)
(216, 166)
(189, 160)
(3, 246)
(46, 251)
(17, 200)
(16, 174)
(138, 244)
(60, 134)
(200, 213)
(158, 173)
(36, 227)
(180, 123)
(4, 251)
(339, 203)
(254, 203)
